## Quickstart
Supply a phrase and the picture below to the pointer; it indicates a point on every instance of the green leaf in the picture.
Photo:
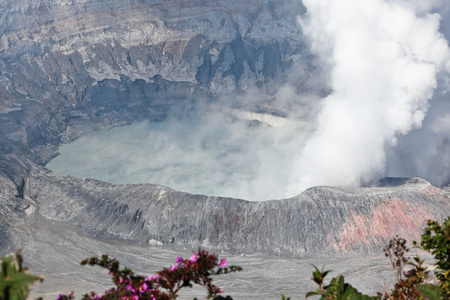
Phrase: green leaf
(309, 294)
(430, 292)
(14, 280)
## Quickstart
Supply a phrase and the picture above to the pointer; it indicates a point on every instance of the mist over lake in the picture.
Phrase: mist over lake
(217, 156)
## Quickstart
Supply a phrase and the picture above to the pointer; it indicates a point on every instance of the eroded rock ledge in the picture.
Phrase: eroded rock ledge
(70, 67)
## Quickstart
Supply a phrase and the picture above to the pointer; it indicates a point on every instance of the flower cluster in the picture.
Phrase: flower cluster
(166, 284)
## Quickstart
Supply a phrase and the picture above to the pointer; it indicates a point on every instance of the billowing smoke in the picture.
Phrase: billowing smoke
(385, 64)
(384, 59)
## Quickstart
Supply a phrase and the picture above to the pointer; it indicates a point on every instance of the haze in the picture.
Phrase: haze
(386, 63)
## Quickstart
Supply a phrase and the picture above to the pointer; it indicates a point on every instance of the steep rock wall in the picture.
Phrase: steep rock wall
(321, 219)
(70, 67)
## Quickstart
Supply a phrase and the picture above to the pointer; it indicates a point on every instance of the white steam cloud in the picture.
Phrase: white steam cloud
(388, 114)
(384, 59)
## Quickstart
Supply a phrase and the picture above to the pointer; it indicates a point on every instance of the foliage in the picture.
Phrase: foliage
(436, 239)
(283, 297)
(337, 289)
(166, 284)
(15, 281)
(407, 283)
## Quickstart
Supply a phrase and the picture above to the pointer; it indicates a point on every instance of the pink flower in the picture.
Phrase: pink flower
(173, 267)
(179, 259)
(151, 277)
(193, 258)
(223, 263)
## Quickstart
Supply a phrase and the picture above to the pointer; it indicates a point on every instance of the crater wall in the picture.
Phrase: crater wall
(70, 67)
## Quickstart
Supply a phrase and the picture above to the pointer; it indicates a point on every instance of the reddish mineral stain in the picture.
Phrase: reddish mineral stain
(386, 220)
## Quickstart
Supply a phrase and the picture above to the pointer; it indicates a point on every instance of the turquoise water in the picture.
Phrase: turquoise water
(214, 156)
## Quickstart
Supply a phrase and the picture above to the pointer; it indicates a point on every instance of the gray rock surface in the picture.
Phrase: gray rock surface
(69, 67)
(320, 219)
(263, 276)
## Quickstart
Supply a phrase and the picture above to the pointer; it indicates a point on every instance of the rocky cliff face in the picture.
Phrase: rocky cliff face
(69, 67)
(93, 64)
(320, 219)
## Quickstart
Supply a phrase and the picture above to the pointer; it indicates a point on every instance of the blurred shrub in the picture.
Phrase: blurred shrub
(15, 281)
(165, 284)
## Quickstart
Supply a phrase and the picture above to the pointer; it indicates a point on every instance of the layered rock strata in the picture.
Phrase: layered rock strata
(70, 67)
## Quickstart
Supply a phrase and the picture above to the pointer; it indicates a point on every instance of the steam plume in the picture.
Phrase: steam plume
(387, 63)
(384, 59)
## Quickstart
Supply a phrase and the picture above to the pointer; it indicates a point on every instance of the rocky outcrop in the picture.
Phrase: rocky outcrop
(322, 219)
(72, 66)
(69, 66)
